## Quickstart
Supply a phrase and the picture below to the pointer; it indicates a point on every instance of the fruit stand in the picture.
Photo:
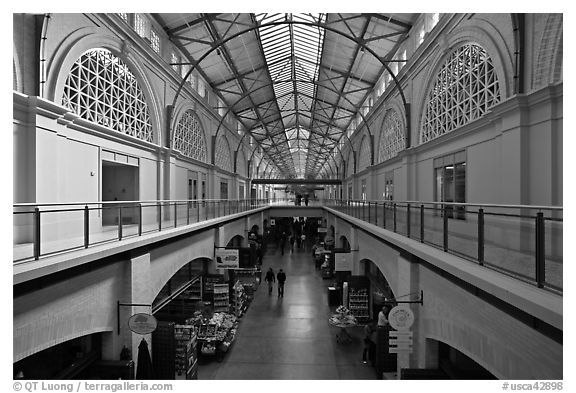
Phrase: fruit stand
(343, 319)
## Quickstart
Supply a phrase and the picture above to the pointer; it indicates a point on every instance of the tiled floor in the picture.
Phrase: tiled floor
(289, 337)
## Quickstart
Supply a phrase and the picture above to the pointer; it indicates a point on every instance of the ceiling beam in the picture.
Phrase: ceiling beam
(297, 181)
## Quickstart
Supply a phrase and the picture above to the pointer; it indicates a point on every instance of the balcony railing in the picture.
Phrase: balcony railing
(47, 229)
(519, 240)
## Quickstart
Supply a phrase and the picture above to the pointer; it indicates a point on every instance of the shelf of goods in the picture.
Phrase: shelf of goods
(186, 362)
(359, 303)
(221, 298)
(240, 299)
(194, 292)
(217, 334)
(174, 348)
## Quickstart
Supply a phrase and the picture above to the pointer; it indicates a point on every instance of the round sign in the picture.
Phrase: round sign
(401, 318)
(142, 323)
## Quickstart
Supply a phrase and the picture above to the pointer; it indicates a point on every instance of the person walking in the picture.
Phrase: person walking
(283, 242)
(281, 276)
(292, 240)
(271, 279)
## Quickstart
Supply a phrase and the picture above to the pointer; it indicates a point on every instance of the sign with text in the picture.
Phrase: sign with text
(322, 230)
(342, 262)
(227, 259)
(400, 341)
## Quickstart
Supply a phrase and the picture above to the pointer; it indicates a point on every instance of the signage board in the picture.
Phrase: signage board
(272, 221)
(401, 317)
(142, 323)
(399, 350)
(322, 230)
(342, 262)
(400, 333)
(227, 259)
(400, 340)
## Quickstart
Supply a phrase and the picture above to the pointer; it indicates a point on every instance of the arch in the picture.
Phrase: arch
(235, 241)
(84, 40)
(221, 156)
(365, 155)
(189, 135)
(462, 349)
(441, 112)
(362, 43)
(549, 64)
(158, 282)
(392, 140)
(344, 243)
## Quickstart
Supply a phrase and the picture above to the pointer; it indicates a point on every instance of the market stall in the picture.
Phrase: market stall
(216, 335)
(343, 319)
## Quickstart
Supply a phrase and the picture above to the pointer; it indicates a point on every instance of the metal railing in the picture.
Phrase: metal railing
(520, 240)
(52, 228)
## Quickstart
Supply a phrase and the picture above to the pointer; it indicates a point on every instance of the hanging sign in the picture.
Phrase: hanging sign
(342, 262)
(322, 230)
(272, 221)
(227, 259)
(401, 317)
(142, 323)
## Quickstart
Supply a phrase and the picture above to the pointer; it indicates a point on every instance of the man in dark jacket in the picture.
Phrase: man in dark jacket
(270, 278)
(281, 277)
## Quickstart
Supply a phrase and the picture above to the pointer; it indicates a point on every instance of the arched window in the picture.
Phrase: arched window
(392, 139)
(466, 87)
(189, 137)
(101, 88)
(223, 154)
(365, 155)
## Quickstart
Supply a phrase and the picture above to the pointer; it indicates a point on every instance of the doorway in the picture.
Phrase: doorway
(119, 183)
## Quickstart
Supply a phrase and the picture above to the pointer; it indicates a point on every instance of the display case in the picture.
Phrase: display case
(174, 349)
(359, 298)
(221, 298)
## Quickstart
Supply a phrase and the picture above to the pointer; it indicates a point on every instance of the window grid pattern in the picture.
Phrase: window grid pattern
(365, 156)
(189, 137)
(175, 60)
(392, 140)
(102, 89)
(124, 16)
(140, 25)
(155, 41)
(223, 154)
(464, 90)
(241, 165)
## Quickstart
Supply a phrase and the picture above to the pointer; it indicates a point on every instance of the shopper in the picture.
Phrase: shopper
(303, 240)
(281, 276)
(383, 317)
(271, 279)
(283, 242)
(292, 240)
(369, 343)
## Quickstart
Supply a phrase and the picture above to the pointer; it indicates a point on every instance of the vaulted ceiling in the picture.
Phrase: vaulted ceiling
(294, 81)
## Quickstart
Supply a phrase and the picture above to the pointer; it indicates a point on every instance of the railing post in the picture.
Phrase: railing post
(198, 212)
(369, 212)
(159, 216)
(384, 215)
(394, 216)
(188, 213)
(540, 251)
(376, 213)
(175, 214)
(139, 219)
(445, 227)
(207, 208)
(119, 222)
(481, 236)
(36, 233)
(421, 223)
(86, 226)
(408, 220)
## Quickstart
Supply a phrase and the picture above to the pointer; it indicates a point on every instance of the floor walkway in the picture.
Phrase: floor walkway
(290, 338)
